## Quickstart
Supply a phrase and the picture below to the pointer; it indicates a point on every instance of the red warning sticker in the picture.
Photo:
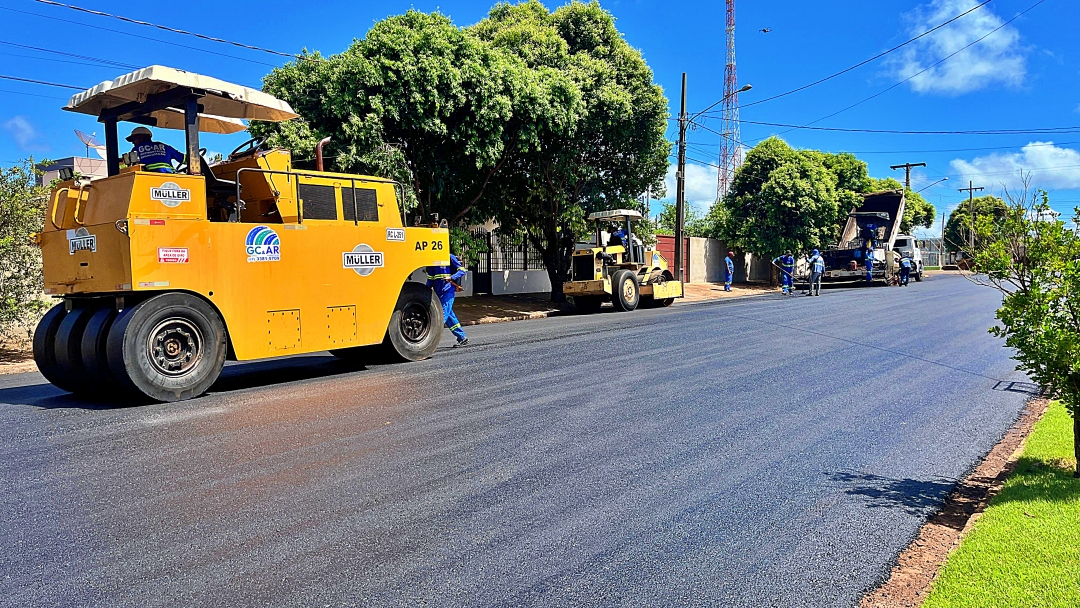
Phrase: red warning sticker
(172, 255)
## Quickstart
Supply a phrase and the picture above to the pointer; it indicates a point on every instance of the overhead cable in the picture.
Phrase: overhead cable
(169, 29)
(1036, 131)
(44, 82)
(926, 69)
(109, 29)
(857, 65)
(106, 62)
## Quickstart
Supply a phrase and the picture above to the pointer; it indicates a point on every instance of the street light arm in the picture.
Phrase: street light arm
(745, 87)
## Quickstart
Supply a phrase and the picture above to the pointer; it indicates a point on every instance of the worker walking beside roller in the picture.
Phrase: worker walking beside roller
(445, 281)
(817, 270)
(869, 263)
(729, 270)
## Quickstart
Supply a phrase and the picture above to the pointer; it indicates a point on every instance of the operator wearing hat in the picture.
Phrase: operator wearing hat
(153, 155)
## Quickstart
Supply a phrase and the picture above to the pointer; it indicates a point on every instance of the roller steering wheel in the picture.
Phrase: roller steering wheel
(250, 147)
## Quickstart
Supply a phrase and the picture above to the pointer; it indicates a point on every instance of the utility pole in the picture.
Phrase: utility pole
(907, 172)
(680, 185)
(971, 189)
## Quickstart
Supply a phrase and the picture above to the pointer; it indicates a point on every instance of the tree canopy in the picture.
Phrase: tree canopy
(784, 198)
(958, 228)
(530, 117)
(780, 199)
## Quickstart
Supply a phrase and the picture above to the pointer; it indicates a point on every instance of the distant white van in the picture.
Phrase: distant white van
(908, 247)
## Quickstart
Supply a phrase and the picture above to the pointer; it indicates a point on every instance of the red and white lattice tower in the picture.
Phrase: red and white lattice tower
(730, 147)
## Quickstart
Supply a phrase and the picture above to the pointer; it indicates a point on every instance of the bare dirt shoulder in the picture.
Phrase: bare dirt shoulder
(909, 582)
(16, 358)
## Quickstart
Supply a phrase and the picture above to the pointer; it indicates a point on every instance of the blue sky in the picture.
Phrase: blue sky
(1026, 75)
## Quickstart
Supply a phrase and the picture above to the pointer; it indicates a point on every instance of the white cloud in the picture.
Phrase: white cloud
(999, 59)
(700, 185)
(22, 132)
(1050, 167)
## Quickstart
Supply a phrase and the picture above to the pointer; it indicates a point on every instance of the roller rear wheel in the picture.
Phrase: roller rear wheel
(415, 327)
(95, 359)
(168, 348)
(68, 346)
(45, 348)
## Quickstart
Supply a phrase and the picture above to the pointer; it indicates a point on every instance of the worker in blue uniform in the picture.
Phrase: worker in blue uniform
(729, 270)
(446, 281)
(817, 270)
(154, 156)
(905, 271)
(786, 263)
(869, 264)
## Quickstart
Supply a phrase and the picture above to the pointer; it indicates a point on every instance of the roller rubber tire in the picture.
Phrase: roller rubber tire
(415, 327)
(95, 358)
(918, 277)
(588, 305)
(666, 302)
(45, 347)
(68, 346)
(624, 296)
(180, 325)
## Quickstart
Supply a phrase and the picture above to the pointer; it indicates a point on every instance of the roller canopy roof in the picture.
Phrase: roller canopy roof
(615, 214)
(223, 106)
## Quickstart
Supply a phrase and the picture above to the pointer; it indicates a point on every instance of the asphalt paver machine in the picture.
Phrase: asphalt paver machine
(620, 270)
(161, 277)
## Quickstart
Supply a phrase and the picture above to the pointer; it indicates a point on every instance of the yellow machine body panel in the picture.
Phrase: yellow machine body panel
(306, 268)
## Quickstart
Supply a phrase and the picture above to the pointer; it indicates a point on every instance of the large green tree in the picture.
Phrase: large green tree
(611, 150)
(22, 213)
(780, 199)
(958, 228)
(421, 100)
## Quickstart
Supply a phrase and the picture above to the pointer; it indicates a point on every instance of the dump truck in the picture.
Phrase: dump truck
(619, 268)
(873, 226)
(163, 276)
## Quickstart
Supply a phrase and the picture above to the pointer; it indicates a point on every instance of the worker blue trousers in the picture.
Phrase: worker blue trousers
(450, 320)
(727, 280)
(786, 282)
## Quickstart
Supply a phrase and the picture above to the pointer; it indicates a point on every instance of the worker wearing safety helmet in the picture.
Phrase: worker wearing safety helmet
(153, 155)
(787, 272)
(817, 270)
(446, 281)
(729, 270)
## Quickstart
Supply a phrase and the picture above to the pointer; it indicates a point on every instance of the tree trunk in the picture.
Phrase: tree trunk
(556, 256)
(1076, 442)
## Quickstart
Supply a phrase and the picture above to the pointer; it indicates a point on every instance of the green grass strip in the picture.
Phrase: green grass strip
(1025, 549)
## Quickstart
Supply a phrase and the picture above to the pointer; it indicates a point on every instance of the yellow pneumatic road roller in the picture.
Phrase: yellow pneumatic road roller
(163, 276)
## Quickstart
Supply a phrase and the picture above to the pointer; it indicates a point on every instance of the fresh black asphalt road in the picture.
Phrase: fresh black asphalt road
(758, 452)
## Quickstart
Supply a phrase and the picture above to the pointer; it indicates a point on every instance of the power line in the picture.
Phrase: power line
(54, 60)
(170, 29)
(1036, 131)
(861, 63)
(107, 62)
(924, 70)
(32, 94)
(108, 29)
(43, 82)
